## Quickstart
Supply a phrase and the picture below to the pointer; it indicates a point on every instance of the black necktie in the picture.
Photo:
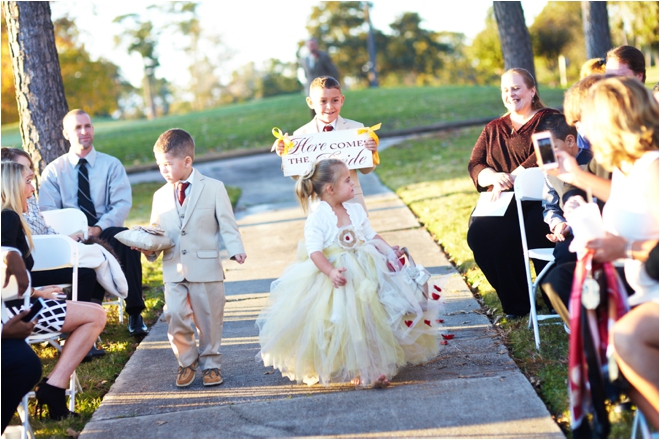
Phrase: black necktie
(84, 196)
(328, 128)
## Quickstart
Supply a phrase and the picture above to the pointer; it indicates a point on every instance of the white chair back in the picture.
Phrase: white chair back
(529, 185)
(56, 252)
(66, 221)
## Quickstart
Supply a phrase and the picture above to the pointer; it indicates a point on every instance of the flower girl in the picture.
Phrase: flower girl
(340, 313)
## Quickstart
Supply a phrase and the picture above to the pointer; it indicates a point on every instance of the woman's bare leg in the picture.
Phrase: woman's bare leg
(635, 338)
(84, 322)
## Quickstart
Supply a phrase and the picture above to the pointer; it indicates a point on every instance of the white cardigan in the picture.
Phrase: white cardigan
(321, 225)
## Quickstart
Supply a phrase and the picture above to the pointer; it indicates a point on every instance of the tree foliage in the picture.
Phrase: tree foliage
(140, 37)
(486, 52)
(409, 54)
(249, 82)
(635, 24)
(95, 85)
(557, 30)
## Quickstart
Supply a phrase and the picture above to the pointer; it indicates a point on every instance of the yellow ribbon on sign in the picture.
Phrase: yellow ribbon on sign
(370, 131)
(288, 143)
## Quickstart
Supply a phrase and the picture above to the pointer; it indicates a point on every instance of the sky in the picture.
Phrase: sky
(256, 31)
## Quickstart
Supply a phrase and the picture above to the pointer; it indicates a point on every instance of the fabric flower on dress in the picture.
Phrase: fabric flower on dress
(347, 238)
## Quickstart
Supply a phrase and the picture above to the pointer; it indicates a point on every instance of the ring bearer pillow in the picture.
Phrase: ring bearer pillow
(150, 238)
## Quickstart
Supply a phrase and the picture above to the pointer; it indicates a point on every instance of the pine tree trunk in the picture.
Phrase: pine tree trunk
(38, 79)
(514, 36)
(595, 24)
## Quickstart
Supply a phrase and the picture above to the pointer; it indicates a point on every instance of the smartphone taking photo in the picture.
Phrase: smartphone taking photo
(545, 150)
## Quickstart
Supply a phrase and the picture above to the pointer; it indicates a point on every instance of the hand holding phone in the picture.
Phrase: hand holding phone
(545, 150)
(34, 310)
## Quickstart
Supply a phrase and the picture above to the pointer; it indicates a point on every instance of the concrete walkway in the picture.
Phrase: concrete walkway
(472, 389)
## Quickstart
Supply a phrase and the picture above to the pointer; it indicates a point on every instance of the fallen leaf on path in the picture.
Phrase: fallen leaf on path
(72, 433)
(161, 422)
(269, 372)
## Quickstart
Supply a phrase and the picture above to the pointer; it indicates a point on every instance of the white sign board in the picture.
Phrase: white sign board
(346, 145)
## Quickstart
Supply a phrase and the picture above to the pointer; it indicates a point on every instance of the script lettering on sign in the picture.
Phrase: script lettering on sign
(345, 145)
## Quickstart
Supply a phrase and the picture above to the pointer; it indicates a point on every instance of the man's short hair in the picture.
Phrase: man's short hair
(177, 142)
(74, 112)
(632, 57)
(325, 82)
(556, 124)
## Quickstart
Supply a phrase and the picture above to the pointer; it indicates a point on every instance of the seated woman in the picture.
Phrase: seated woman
(89, 288)
(502, 151)
(82, 321)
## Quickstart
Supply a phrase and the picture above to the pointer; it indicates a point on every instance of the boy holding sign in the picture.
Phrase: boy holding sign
(326, 99)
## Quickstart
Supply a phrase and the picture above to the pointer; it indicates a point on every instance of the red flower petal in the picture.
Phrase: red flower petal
(427, 322)
(439, 321)
(448, 336)
(437, 288)
(443, 342)
(402, 259)
(408, 323)
(435, 296)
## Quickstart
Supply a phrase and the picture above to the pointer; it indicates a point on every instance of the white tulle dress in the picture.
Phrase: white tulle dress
(315, 333)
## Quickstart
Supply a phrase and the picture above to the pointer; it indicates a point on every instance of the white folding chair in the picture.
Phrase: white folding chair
(57, 252)
(66, 221)
(528, 186)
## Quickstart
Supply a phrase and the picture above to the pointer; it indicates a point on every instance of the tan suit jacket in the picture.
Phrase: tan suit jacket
(195, 256)
(342, 124)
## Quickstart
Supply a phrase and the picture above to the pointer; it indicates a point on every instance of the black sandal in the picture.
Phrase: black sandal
(52, 397)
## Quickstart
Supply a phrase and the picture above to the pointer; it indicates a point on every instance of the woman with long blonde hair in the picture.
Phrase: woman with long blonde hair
(83, 321)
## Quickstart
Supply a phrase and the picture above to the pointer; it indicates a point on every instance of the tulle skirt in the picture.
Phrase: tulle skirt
(315, 333)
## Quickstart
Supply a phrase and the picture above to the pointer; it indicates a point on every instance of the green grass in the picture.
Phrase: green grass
(97, 376)
(249, 125)
(430, 175)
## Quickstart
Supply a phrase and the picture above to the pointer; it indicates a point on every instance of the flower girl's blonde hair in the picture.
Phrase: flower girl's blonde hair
(312, 184)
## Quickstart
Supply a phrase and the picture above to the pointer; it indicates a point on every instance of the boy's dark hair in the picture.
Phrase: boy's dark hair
(325, 82)
(632, 57)
(556, 124)
(177, 142)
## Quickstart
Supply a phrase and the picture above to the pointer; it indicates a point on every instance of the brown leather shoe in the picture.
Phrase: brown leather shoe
(186, 375)
(212, 377)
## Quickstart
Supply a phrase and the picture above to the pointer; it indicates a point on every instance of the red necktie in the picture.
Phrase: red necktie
(181, 191)
(328, 128)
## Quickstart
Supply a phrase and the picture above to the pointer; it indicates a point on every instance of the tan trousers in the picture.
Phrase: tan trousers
(201, 304)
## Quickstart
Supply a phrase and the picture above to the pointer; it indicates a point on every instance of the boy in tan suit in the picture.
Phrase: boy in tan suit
(326, 99)
(194, 211)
